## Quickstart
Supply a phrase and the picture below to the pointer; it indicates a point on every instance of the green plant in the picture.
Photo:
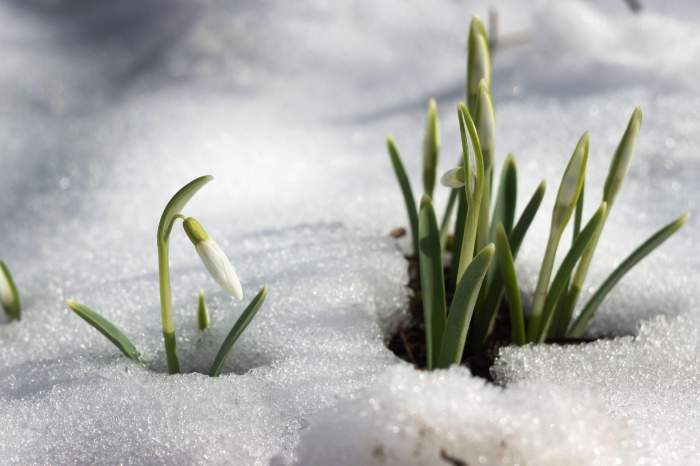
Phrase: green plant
(215, 261)
(481, 220)
(9, 296)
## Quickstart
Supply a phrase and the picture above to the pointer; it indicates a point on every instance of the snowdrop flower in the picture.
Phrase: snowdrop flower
(214, 259)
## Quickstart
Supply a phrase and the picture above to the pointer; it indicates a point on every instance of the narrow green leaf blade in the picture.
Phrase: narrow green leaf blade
(431, 149)
(510, 280)
(637, 255)
(462, 307)
(486, 310)
(563, 274)
(106, 328)
(432, 280)
(237, 330)
(506, 198)
(406, 190)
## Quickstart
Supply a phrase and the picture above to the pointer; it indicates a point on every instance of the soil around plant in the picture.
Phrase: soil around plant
(408, 341)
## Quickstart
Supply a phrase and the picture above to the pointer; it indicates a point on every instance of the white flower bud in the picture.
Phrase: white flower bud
(453, 178)
(214, 259)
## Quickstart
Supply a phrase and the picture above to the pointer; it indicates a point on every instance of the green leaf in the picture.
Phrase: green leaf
(567, 197)
(637, 255)
(106, 328)
(237, 330)
(474, 194)
(486, 310)
(510, 279)
(406, 190)
(9, 296)
(460, 225)
(431, 149)
(506, 198)
(462, 307)
(202, 312)
(619, 166)
(432, 280)
(564, 274)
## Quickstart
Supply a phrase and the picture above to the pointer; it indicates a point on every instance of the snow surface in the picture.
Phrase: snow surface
(107, 109)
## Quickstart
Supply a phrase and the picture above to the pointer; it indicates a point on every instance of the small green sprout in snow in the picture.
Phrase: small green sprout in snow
(9, 297)
(202, 312)
(482, 219)
(215, 261)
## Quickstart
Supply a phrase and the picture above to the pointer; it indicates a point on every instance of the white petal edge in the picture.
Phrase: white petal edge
(219, 267)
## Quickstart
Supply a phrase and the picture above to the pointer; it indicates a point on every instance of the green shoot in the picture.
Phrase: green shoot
(488, 307)
(202, 312)
(9, 296)
(637, 255)
(462, 307)
(432, 280)
(619, 166)
(431, 149)
(486, 129)
(473, 193)
(106, 328)
(569, 190)
(510, 280)
(539, 328)
(170, 214)
(406, 190)
(241, 323)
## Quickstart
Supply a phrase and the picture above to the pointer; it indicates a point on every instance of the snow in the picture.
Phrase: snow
(108, 110)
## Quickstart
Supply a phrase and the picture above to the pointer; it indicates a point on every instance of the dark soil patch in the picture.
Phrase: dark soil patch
(408, 342)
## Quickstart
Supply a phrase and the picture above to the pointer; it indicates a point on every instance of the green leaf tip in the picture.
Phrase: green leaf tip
(237, 330)
(622, 159)
(571, 184)
(106, 328)
(202, 312)
(406, 190)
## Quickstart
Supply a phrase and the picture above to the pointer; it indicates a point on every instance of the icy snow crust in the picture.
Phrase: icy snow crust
(108, 110)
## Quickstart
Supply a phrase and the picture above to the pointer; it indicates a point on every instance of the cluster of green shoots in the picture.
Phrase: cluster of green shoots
(485, 227)
(216, 263)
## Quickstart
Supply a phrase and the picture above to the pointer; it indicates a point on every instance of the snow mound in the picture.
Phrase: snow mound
(449, 417)
(649, 383)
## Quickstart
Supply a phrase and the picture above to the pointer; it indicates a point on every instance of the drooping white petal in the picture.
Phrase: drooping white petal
(453, 178)
(220, 267)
